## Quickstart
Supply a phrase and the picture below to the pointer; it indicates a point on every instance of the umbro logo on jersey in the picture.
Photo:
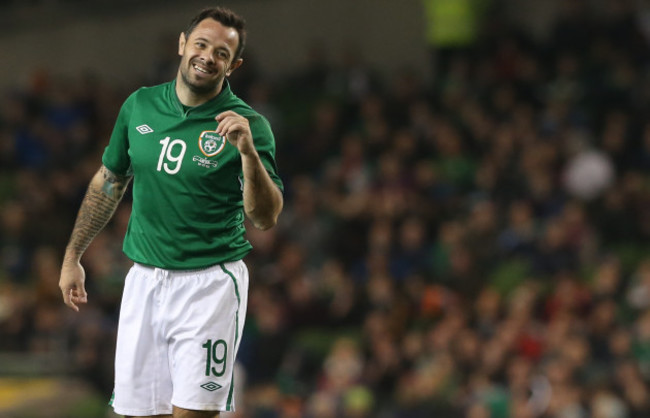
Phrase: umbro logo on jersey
(211, 386)
(144, 129)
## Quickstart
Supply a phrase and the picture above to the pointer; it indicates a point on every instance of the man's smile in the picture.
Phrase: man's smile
(201, 69)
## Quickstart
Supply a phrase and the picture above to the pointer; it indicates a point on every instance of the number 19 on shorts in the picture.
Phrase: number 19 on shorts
(215, 358)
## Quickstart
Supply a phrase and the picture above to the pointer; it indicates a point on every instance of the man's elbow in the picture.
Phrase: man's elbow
(264, 226)
(264, 220)
(265, 223)
(265, 217)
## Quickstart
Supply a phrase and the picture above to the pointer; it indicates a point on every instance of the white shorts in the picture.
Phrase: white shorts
(178, 334)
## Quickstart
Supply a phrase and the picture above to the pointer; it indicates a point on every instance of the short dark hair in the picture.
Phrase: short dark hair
(227, 18)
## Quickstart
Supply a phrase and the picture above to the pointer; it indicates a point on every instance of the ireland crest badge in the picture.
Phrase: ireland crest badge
(211, 143)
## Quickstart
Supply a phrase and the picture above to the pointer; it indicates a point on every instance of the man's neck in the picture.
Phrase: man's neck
(190, 98)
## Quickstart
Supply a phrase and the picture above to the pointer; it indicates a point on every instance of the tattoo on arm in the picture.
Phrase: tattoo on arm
(114, 185)
(102, 197)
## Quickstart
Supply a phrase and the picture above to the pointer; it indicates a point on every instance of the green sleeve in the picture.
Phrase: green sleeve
(116, 155)
(265, 146)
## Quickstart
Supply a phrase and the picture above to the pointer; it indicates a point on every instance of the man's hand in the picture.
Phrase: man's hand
(237, 130)
(71, 283)
(262, 198)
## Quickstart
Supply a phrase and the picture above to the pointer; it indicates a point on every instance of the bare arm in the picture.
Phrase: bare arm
(262, 199)
(105, 191)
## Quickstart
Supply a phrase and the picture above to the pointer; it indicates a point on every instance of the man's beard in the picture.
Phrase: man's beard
(199, 89)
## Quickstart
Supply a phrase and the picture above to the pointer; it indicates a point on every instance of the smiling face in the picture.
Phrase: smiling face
(206, 59)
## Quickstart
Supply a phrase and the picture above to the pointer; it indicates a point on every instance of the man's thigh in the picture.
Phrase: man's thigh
(196, 319)
(204, 330)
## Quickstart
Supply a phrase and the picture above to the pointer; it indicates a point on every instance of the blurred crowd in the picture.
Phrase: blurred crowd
(470, 244)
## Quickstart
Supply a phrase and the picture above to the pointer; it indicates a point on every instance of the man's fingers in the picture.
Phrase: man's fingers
(72, 286)
(72, 298)
(222, 129)
(67, 298)
(79, 295)
(231, 129)
(230, 121)
(221, 116)
(228, 126)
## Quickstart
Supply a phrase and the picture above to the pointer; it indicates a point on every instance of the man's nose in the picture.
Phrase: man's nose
(207, 56)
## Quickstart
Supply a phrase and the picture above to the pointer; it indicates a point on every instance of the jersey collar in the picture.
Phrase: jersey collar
(207, 108)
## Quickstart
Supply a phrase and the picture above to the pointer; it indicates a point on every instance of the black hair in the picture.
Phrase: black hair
(227, 18)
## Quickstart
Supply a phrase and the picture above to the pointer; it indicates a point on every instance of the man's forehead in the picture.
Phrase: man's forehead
(210, 29)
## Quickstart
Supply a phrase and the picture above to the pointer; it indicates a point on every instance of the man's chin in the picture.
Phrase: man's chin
(200, 86)
(203, 88)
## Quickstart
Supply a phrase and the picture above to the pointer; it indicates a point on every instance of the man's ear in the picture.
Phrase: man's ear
(235, 64)
(181, 43)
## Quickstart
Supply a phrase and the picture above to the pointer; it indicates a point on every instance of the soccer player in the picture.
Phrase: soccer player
(200, 158)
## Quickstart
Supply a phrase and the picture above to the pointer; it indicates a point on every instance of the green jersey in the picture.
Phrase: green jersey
(187, 180)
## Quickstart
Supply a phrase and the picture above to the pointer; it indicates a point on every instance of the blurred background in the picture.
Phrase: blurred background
(467, 209)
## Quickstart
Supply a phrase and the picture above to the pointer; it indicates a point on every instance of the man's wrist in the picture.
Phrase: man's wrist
(71, 258)
(252, 154)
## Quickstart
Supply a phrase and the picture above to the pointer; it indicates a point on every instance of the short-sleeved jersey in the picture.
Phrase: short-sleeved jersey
(187, 180)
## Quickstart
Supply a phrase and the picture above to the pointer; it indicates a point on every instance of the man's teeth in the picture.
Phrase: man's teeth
(200, 69)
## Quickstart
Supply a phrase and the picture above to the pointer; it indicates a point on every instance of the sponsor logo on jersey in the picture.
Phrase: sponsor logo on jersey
(144, 129)
(211, 143)
(211, 386)
(204, 162)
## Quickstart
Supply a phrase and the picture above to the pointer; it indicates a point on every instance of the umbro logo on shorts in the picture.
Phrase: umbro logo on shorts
(211, 386)
(144, 129)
